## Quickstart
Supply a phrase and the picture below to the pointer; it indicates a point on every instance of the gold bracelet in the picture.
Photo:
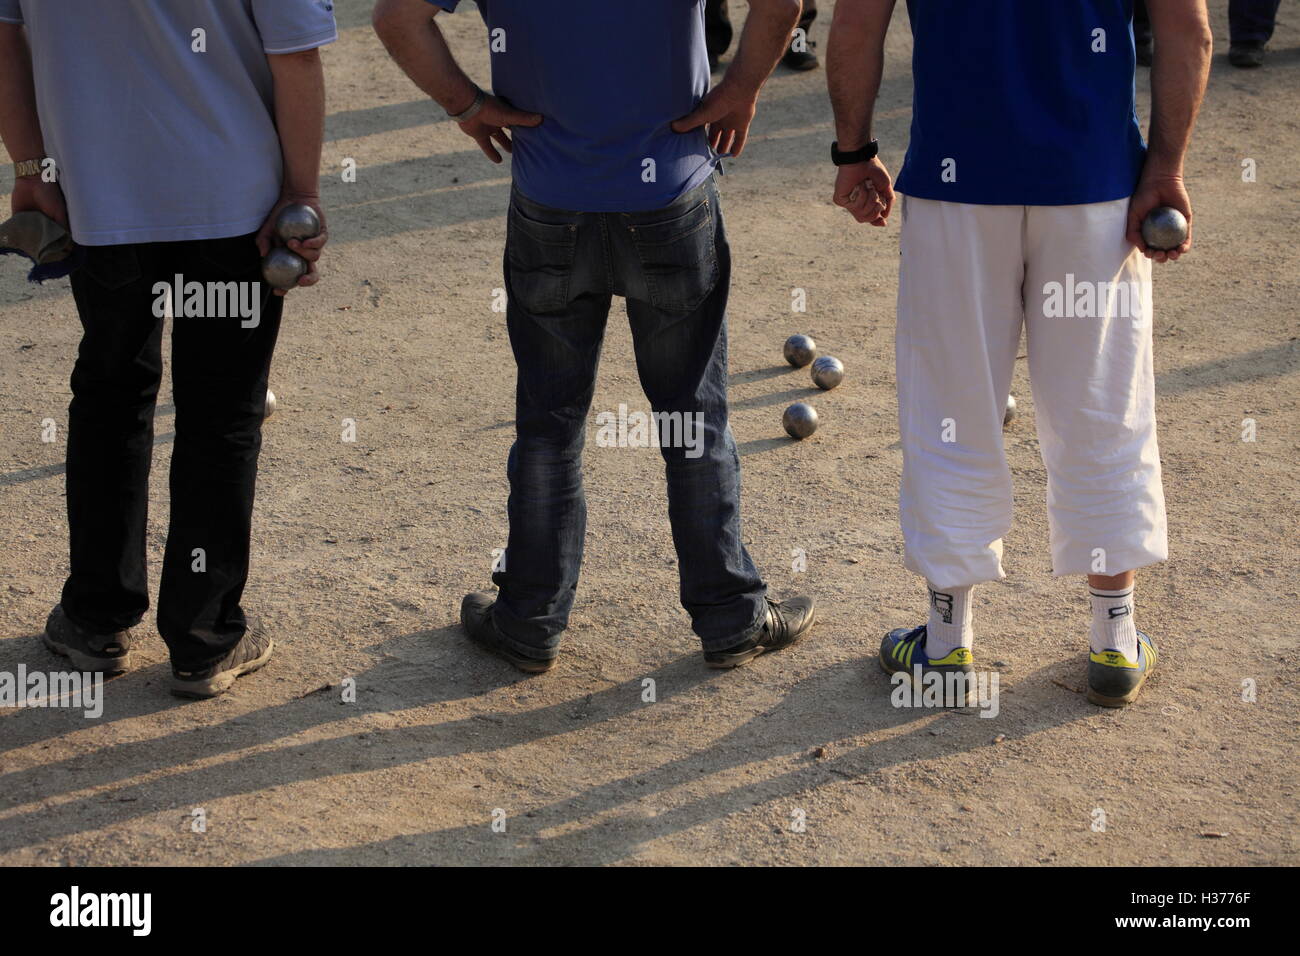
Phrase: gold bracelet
(28, 167)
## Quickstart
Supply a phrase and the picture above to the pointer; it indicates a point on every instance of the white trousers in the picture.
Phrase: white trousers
(971, 277)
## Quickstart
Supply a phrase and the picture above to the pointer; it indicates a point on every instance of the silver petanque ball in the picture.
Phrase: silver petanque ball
(827, 372)
(297, 221)
(1164, 228)
(799, 420)
(270, 404)
(282, 269)
(1009, 415)
(799, 350)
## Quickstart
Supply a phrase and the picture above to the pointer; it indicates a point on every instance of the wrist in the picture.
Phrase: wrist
(854, 157)
(1162, 167)
(465, 105)
(29, 168)
(850, 144)
(735, 92)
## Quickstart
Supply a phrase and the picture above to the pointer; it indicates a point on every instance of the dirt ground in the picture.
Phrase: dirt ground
(362, 551)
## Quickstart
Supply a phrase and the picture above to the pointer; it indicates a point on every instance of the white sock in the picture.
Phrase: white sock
(1113, 627)
(949, 626)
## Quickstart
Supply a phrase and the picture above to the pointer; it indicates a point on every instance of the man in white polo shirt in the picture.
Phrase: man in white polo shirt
(1025, 183)
(178, 129)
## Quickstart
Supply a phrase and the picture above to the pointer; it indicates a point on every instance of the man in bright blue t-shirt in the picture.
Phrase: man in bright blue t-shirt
(615, 136)
(1024, 187)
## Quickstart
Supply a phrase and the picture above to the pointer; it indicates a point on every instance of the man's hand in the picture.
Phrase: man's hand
(866, 191)
(412, 37)
(728, 109)
(490, 124)
(1152, 191)
(727, 112)
(33, 194)
(309, 249)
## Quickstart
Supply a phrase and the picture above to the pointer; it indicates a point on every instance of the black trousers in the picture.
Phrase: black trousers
(718, 31)
(220, 367)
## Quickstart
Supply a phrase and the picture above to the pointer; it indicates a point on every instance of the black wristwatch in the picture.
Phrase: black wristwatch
(862, 155)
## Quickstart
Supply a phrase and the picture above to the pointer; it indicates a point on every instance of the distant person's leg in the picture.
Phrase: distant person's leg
(800, 55)
(1250, 27)
(558, 305)
(718, 31)
(1142, 32)
(677, 267)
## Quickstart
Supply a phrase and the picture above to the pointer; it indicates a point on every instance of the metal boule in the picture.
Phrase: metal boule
(799, 420)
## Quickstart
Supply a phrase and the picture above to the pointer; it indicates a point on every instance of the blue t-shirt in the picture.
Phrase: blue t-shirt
(1023, 102)
(609, 78)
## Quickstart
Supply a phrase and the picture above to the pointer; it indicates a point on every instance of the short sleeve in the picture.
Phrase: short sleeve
(291, 26)
(11, 11)
(448, 5)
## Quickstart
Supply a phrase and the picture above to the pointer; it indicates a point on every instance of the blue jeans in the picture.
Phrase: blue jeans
(673, 266)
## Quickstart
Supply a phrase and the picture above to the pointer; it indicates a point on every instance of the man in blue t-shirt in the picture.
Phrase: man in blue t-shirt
(1024, 186)
(165, 136)
(615, 137)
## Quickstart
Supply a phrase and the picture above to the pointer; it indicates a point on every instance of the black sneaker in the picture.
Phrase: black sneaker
(476, 617)
(786, 623)
(802, 60)
(1246, 55)
(252, 651)
(88, 651)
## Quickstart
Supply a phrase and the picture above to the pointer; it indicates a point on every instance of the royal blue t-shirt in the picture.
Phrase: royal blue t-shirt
(1023, 102)
(609, 76)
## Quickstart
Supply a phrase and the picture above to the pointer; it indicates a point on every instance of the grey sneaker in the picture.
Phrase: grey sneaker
(250, 654)
(88, 651)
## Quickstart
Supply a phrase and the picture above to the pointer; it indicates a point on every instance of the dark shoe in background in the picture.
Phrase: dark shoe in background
(786, 622)
(1246, 55)
(801, 61)
(476, 618)
(88, 651)
(250, 654)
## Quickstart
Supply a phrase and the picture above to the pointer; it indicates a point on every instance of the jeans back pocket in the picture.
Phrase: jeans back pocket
(540, 256)
(679, 258)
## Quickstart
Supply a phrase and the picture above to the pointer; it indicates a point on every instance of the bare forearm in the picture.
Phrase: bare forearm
(20, 126)
(1183, 44)
(415, 42)
(300, 118)
(855, 62)
(762, 42)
